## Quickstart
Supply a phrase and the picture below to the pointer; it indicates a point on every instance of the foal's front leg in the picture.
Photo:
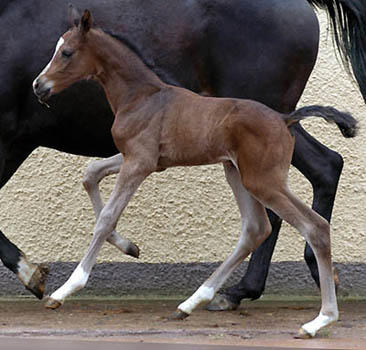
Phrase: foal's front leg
(94, 173)
(131, 175)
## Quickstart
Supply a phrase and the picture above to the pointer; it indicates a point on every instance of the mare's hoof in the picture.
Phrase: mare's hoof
(52, 304)
(178, 315)
(221, 303)
(133, 250)
(302, 334)
(37, 283)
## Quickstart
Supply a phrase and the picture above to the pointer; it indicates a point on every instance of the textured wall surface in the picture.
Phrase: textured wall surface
(186, 214)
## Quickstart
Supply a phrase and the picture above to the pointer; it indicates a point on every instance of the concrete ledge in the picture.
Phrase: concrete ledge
(115, 279)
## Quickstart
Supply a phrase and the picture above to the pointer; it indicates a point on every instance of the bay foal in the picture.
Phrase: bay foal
(159, 126)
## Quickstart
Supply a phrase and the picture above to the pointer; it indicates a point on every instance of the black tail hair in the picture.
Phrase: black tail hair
(348, 18)
(345, 122)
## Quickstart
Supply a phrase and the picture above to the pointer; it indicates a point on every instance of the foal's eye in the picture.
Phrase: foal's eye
(66, 53)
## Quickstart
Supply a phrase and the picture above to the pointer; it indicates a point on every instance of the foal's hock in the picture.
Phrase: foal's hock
(159, 126)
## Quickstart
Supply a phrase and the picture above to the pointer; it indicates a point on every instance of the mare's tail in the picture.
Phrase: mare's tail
(348, 19)
(345, 122)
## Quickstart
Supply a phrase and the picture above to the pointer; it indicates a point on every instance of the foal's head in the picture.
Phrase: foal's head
(72, 61)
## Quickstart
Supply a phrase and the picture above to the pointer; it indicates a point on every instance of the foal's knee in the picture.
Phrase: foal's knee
(264, 231)
(256, 232)
(105, 225)
(91, 176)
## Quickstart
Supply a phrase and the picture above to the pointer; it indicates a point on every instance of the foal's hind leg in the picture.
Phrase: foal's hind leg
(322, 167)
(95, 172)
(253, 282)
(315, 229)
(256, 228)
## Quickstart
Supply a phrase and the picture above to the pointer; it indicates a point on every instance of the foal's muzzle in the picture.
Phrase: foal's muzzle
(42, 89)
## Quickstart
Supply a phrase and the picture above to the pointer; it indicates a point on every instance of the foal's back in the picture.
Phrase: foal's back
(200, 130)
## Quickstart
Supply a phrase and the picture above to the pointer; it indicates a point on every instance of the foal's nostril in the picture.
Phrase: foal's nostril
(36, 85)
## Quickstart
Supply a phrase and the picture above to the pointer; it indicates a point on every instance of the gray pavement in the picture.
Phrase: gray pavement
(141, 324)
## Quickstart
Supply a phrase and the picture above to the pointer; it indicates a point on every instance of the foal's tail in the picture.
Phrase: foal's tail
(345, 122)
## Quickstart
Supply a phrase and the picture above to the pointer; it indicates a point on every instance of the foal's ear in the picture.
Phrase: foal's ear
(85, 22)
(74, 16)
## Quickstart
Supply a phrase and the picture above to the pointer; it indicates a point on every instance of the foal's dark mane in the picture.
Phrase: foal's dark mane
(148, 63)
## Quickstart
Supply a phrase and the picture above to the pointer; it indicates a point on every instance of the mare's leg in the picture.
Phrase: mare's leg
(131, 175)
(255, 229)
(33, 276)
(323, 168)
(95, 172)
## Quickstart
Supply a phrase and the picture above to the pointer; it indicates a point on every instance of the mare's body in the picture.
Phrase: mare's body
(263, 50)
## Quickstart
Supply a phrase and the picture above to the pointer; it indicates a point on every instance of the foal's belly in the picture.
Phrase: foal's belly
(167, 162)
(192, 154)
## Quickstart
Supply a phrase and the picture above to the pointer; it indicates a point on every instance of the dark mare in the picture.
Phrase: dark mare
(201, 45)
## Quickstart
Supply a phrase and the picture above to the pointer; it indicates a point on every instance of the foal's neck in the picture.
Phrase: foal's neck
(125, 77)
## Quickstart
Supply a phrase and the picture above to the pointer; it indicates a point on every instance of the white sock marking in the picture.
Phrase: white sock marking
(75, 282)
(319, 322)
(201, 295)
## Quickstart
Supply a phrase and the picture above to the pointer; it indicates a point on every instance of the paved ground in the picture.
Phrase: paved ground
(265, 323)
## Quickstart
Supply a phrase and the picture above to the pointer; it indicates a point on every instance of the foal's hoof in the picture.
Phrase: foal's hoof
(302, 334)
(37, 283)
(133, 250)
(221, 303)
(52, 304)
(178, 315)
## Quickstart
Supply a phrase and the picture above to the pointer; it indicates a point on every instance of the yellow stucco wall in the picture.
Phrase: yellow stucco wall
(186, 214)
